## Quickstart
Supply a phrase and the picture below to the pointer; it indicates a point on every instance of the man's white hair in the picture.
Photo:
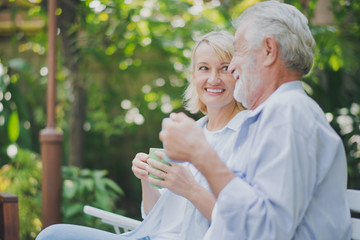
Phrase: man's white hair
(287, 25)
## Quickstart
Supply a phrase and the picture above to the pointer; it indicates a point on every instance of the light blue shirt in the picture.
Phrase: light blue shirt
(173, 216)
(291, 175)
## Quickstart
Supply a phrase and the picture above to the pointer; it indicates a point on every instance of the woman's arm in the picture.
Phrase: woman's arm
(202, 199)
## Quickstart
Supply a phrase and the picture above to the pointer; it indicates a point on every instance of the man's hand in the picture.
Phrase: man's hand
(182, 138)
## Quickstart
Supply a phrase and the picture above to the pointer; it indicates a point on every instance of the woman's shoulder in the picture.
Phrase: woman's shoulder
(202, 121)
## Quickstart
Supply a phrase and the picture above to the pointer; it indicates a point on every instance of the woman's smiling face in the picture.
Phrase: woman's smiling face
(214, 84)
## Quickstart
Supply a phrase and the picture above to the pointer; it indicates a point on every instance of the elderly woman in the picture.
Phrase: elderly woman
(182, 209)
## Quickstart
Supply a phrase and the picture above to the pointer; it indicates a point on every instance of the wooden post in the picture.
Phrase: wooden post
(50, 137)
(9, 217)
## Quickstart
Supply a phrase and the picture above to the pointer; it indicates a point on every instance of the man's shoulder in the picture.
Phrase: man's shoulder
(293, 108)
(292, 102)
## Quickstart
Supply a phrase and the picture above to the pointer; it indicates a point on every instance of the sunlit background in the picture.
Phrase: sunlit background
(122, 66)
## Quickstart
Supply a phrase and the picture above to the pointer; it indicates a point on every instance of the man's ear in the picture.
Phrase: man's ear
(270, 51)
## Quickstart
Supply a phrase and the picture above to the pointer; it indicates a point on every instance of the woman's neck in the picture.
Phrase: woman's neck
(219, 117)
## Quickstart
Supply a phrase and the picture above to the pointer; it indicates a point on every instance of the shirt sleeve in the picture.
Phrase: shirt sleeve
(270, 200)
(143, 214)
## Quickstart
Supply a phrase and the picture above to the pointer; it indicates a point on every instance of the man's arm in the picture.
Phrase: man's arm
(185, 141)
(271, 199)
(214, 170)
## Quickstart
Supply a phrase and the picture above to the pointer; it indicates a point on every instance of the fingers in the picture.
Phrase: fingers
(165, 124)
(162, 136)
(156, 172)
(159, 165)
(155, 181)
(159, 154)
(178, 116)
(142, 164)
(139, 165)
(158, 176)
(138, 172)
(178, 180)
(175, 119)
(141, 156)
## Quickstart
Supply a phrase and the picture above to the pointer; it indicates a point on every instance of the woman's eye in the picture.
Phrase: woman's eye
(203, 68)
(225, 68)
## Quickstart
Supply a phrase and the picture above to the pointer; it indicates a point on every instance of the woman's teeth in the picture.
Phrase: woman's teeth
(214, 90)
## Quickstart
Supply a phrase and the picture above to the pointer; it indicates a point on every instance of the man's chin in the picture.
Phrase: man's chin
(241, 100)
(245, 105)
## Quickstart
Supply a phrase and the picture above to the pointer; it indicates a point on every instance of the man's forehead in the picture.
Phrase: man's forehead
(240, 37)
(241, 30)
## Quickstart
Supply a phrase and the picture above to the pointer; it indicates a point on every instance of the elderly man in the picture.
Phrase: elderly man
(287, 175)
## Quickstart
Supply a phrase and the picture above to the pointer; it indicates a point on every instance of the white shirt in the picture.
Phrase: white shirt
(173, 216)
(291, 175)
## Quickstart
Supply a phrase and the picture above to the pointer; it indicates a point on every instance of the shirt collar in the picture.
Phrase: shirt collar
(285, 87)
(234, 124)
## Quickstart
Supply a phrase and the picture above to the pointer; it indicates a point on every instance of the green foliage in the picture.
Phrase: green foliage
(335, 79)
(22, 176)
(130, 48)
(13, 127)
(87, 187)
(18, 124)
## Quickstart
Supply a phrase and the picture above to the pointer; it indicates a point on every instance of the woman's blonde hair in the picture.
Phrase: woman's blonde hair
(223, 44)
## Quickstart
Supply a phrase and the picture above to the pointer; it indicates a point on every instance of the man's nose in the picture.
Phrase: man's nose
(231, 68)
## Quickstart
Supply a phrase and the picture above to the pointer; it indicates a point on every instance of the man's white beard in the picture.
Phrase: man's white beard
(241, 90)
(247, 85)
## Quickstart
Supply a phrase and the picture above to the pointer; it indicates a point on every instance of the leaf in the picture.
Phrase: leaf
(99, 174)
(73, 209)
(13, 127)
(87, 184)
(99, 185)
(102, 200)
(69, 189)
(19, 64)
(113, 186)
(335, 62)
(85, 173)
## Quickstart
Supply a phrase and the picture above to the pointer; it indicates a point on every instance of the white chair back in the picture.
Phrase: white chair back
(117, 221)
(353, 197)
